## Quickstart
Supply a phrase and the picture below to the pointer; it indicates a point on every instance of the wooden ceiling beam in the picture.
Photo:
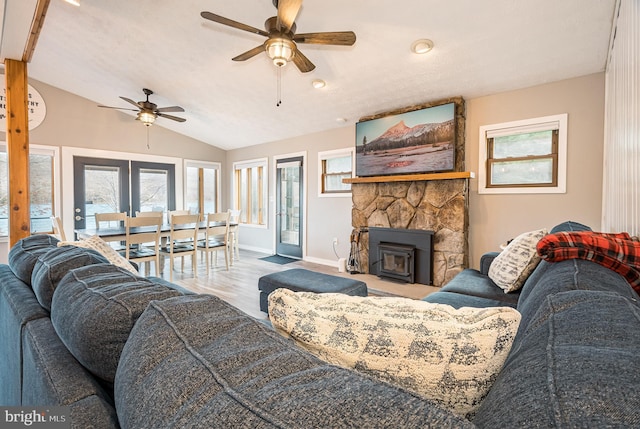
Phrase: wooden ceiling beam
(36, 27)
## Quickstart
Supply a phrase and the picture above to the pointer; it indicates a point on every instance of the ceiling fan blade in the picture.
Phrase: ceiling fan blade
(302, 62)
(249, 54)
(173, 118)
(119, 108)
(170, 109)
(231, 23)
(287, 12)
(346, 38)
(128, 100)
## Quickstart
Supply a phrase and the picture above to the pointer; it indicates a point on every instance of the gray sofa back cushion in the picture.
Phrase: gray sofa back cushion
(53, 265)
(18, 306)
(94, 309)
(24, 254)
(577, 361)
(51, 376)
(196, 361)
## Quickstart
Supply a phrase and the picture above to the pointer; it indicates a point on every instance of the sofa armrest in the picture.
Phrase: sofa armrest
(486, 260)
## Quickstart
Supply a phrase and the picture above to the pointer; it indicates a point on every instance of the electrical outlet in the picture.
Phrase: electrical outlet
(335, 241)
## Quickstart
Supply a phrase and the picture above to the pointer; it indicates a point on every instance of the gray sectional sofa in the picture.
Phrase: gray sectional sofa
(125, 351)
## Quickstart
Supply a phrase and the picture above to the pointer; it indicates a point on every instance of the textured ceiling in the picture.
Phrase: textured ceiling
(105, 49)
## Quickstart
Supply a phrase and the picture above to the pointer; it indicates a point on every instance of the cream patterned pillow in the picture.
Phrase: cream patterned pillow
(446, 355)
(99, 245)
(511, 268)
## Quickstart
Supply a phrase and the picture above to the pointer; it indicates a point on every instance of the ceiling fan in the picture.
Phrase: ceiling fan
(281, 44)
(148, 111)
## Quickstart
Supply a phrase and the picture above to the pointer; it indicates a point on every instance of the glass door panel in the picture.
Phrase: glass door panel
(100, 186)
(289, 210)
(152, 187)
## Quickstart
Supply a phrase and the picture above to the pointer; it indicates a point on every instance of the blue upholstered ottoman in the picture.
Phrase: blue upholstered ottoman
(301, 280)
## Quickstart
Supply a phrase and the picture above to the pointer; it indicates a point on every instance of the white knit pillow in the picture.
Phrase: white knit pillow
(446, 355)
(99, 245)
(511, 268)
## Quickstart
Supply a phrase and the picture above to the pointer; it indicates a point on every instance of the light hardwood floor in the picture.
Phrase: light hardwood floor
(239, 285)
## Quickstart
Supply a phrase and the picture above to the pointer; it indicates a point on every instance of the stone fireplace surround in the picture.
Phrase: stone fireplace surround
(432, 202)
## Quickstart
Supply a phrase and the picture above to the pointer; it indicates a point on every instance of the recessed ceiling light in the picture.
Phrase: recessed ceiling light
(73, 2)
(421, 46)
(318, 83)
(341, 120)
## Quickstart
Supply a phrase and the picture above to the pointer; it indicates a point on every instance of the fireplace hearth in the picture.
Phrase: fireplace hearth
(401, 254)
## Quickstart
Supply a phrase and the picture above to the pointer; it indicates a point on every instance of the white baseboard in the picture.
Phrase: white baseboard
(328, 262)
(256, 249)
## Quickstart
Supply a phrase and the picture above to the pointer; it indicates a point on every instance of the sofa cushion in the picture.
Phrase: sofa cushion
(53, 265)
(471, 282)
(18, 305)
(99, 245)
(570, 275)
(614, 251)
(576, 366)
(197, 358)
(510, 269)
(449, 356)
(24, 254)
(569, 225)
(94, 309)
(51, 376)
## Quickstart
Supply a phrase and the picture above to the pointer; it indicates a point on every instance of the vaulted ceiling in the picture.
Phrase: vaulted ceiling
(105, 49)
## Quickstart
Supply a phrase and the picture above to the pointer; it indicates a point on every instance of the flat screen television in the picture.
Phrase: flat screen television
(420, 141)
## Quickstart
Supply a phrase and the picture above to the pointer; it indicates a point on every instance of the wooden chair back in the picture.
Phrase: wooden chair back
(110, 219)
(58, 230)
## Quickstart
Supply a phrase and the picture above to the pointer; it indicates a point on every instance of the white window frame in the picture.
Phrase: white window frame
(54, 152)
(207, 165)
(259, 162)
(514, 127)
(336, 153)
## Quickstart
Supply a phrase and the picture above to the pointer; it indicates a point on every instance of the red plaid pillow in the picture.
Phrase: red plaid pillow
(614, 251)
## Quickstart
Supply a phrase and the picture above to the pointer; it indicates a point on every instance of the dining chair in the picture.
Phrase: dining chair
(183, 238)
(58, 230)
(216, 238)
(143, 230)
(150, 214)
(107, 220)
(110, 219)
(234, 232)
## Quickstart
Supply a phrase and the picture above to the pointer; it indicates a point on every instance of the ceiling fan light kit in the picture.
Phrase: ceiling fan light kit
(280, 50)
(147, 118)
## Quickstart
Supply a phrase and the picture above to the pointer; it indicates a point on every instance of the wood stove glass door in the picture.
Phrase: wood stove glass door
(289, 189)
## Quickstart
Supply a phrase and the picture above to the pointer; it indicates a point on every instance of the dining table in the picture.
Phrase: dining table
(119, 233)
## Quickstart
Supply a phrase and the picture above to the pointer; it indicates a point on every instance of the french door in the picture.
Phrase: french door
(100, 186)
(113, 185)
(289, 197)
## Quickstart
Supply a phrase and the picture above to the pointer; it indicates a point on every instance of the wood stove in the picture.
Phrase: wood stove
(406, 255)
(396, 262)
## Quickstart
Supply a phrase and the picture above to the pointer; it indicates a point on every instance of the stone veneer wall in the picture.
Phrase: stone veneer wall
(439, 205)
